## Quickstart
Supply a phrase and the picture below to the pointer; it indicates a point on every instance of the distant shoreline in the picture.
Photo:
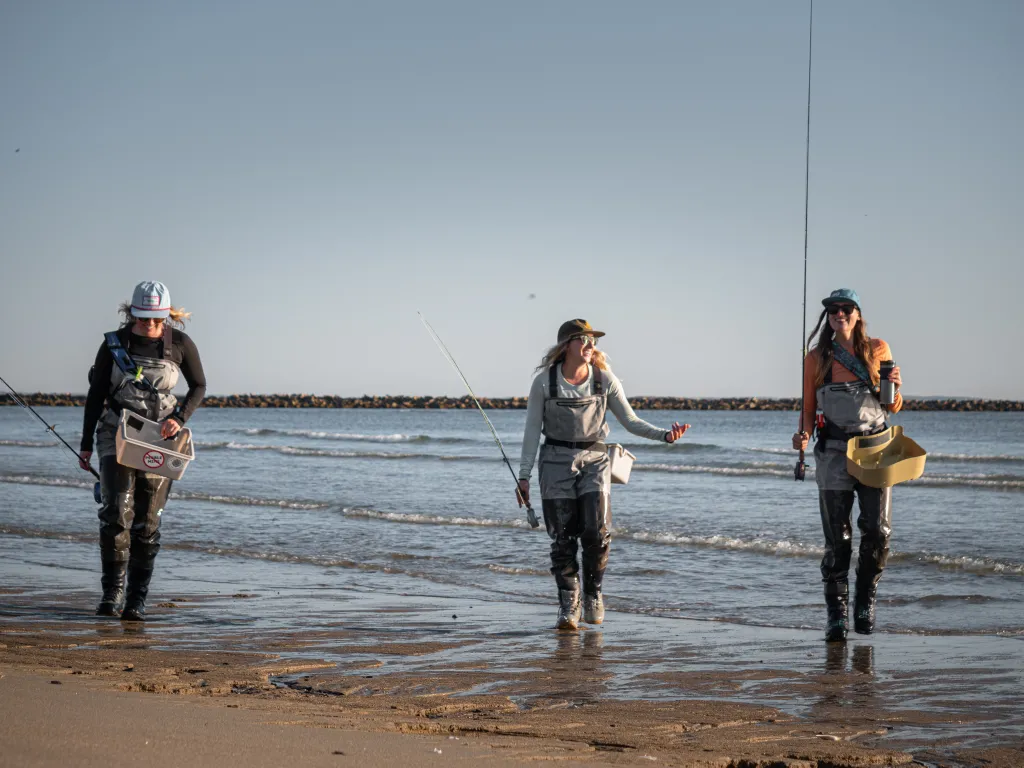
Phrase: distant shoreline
(519, 403)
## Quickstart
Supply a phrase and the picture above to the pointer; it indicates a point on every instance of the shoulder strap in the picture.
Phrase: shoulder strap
(124, 361)
(552, 383)
(167, 340)
(596, 382)
(852, 364)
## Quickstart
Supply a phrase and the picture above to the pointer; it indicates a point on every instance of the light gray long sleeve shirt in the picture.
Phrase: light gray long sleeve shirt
(617, 404)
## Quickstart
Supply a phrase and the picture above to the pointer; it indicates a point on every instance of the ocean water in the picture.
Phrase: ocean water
(711, 528)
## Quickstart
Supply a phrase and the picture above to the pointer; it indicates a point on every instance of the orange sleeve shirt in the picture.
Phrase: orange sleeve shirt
(840, 375)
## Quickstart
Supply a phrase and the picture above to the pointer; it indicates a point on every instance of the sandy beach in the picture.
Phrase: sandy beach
(441, 680)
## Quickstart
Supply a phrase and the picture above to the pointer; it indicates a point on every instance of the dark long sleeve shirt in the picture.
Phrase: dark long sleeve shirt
(183, 352)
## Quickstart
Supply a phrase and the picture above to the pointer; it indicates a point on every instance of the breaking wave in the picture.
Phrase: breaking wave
(294, 450)
(966, 457)
(315, 434)
(762, 469)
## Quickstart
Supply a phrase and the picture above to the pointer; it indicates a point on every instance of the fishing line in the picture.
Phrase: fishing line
(531, 516)
(801, 467)
(49, 428)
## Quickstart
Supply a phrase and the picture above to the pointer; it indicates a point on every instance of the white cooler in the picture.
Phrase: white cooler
(621, 462)
(140, 446)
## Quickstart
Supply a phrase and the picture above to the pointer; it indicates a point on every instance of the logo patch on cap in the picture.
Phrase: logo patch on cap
(151, 302)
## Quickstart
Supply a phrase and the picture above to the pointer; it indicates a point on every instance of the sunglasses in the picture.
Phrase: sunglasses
(149, 320)
(586, 340)
(846, 309)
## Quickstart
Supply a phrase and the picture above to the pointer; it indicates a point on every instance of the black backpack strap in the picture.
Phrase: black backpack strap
(119, 351)
(552, 383)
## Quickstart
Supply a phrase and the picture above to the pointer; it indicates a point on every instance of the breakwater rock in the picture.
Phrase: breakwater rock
(519, 403)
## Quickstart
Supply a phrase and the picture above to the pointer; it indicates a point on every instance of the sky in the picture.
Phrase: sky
(307, 176)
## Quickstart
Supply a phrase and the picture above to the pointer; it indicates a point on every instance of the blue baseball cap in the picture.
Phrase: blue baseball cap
(151, 299)
(842, 296)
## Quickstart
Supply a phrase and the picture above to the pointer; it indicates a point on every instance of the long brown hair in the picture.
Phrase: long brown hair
(558, 352)
(176, 319)
(862, 347)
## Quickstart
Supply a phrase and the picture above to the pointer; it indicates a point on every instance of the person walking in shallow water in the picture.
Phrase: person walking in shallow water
(841, 376)
(567, 404)
(132, 500)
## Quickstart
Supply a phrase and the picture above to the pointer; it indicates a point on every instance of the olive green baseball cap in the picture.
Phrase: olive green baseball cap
(577, 327)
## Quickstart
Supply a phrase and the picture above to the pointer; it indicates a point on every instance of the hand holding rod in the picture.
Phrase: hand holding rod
(20, 401)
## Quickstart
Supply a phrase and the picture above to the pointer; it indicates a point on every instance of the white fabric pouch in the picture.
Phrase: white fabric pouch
(620, 462)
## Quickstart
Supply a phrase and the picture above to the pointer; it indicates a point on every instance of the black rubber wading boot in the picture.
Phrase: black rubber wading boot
(569, 609)
(138, 588)
(112, 581)
(836, 596)
(864, 611)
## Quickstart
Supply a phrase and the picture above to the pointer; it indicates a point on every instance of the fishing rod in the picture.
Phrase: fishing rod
(531, 516)
(49, 428)
(800, 470)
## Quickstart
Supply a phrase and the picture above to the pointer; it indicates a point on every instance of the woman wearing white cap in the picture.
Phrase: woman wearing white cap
(132, 500)
(568, 403)
(841, 379)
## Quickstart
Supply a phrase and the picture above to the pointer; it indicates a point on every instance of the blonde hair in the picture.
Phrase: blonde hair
(176, 319)
(558, 352)
(862, 348)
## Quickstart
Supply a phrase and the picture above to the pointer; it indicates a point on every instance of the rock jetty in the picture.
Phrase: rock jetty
(519, 403)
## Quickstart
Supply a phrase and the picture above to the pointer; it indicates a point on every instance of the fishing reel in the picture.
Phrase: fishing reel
(800, 470)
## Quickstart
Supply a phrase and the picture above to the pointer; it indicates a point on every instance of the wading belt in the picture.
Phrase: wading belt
(586, 445)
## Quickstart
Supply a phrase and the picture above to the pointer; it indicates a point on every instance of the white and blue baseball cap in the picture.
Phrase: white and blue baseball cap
(151, 299)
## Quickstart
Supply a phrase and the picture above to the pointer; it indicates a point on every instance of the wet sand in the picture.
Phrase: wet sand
(290, 671)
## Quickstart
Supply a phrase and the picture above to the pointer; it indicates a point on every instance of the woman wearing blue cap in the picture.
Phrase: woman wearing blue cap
(567, 404)
(841, 378)
(133, 500)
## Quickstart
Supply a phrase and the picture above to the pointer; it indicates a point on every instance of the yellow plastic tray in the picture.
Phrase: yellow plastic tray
(885, 459)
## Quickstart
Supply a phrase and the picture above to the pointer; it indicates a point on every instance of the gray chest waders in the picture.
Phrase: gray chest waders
(574, 484)
(132, 501)
(850, 410)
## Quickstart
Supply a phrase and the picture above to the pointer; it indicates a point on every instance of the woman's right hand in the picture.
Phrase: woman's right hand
(800, 441)
(524, 492)
(83, 460)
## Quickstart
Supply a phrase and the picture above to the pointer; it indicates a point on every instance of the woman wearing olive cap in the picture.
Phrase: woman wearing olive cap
(841, 376)
(133, 500)
(568, 403)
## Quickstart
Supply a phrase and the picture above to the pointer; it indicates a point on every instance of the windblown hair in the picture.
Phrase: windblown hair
(558, 352)
(176, 320)
(862, 347)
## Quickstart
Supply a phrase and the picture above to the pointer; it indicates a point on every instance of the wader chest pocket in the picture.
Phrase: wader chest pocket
(575, 403)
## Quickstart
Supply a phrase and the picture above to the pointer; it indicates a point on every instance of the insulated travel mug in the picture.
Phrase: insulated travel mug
(887, 390)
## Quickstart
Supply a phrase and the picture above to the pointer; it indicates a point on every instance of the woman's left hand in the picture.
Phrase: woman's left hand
(169, 429)
(894, 377)
(677, 431)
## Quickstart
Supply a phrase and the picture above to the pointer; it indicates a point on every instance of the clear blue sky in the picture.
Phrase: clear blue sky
(305, 176)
